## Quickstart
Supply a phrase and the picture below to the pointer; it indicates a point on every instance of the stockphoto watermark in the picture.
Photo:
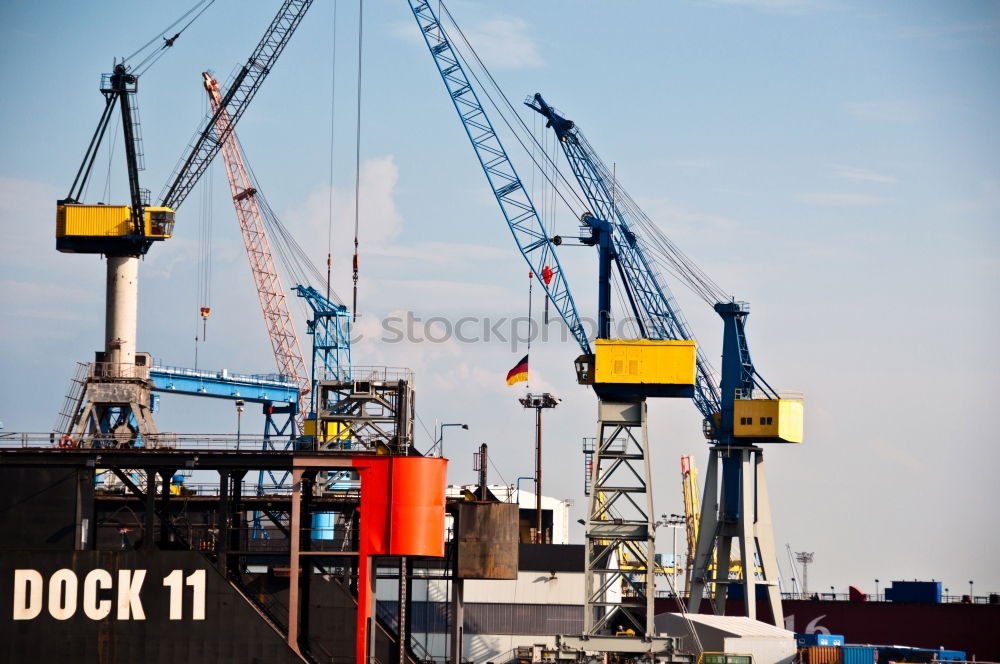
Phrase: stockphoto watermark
(514, 331)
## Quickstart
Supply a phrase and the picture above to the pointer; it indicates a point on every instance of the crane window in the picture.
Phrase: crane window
(766, 421)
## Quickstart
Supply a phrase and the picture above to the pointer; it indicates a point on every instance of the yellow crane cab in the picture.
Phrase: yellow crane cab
(769, 420)
(638, 368)
(95, 228)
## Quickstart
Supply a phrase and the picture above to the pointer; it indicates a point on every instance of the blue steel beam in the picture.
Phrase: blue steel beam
(515, 203)
(253, 388)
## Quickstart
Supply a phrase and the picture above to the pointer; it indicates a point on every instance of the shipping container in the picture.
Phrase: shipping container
(914, 591)
(859, 655)
(823, 655)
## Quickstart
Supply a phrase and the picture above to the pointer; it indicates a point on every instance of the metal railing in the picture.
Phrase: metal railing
(225, 374)
(117, 370)
(159, 441)
(371, 373)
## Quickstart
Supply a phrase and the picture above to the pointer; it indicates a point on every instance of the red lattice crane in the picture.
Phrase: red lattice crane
(273, 303)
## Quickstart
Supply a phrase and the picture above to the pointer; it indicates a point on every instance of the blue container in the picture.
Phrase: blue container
(859, 655)
(951, 655)
(914, 591)
(322, 525)
(804, 640)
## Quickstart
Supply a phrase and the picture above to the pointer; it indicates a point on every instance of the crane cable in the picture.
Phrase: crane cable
(669, 256)
(357, 164)
(148, 61)
(333, 115)
(503, 114)
(292, 256)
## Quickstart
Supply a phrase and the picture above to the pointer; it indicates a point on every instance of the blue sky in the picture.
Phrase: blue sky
(832, 162)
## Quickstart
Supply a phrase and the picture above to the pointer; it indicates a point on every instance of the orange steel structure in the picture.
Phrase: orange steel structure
(402, 514)
(273, 303)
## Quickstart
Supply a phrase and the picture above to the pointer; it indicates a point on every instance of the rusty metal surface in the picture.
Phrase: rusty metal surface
(487, 540)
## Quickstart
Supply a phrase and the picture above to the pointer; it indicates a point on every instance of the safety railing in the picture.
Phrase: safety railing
(224, 374)
(118, 370)
(160, 441)
(371, 374)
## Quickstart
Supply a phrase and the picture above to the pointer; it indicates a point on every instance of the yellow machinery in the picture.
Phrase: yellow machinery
(95, 228)
(768, 420)
(628, 368)
(692, 513)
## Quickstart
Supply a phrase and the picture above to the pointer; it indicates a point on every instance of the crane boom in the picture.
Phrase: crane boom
(518, 209)
(273, 303)
(209, 140)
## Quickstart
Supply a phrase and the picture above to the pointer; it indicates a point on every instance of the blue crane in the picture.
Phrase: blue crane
(330, 328)
(622, 373)
(651, 303)
(742, 388)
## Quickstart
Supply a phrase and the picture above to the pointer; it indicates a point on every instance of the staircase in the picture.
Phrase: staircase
(73, 400)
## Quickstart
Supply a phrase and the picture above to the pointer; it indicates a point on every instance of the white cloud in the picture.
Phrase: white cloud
(441, 253)
(861, 175)
(504, 43)
(379, 221)
(839, 199)
(885, 111)
(501, 42)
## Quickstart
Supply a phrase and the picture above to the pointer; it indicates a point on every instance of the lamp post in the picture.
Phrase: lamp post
(440, 440)
(673, 521)
(876, 590)
(972, 595)
(539, 402)
(239, 418)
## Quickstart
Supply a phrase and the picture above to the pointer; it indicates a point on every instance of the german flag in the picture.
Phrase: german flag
(519, 373)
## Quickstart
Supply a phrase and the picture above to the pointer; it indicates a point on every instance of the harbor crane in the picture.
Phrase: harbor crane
(663, 362)
(114, 404)
(744, 412)
(623, 373)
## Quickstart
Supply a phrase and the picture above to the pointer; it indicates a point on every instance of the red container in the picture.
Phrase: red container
(824, 655)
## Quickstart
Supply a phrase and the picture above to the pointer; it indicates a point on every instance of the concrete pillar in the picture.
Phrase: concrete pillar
(121, 315)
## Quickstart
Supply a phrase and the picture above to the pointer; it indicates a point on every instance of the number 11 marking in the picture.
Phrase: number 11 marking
(175, 581)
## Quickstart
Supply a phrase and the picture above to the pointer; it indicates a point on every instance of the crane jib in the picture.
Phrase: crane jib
(243, 88)
(515, 203)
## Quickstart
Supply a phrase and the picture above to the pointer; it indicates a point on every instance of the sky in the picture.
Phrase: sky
(833, 162)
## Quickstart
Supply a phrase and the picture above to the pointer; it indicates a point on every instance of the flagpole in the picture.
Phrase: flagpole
(531, 284)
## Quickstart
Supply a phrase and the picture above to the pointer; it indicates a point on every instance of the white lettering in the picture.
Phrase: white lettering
(175, 581)
(129, 585)
(815, 628)
(27, 594)
(62, 594)
(197, 581)
(96, 581)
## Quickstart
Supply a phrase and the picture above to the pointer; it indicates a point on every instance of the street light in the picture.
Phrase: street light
(440, 440)
(674, 521)
(876, 590)
(972, 595)
(239, 417)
